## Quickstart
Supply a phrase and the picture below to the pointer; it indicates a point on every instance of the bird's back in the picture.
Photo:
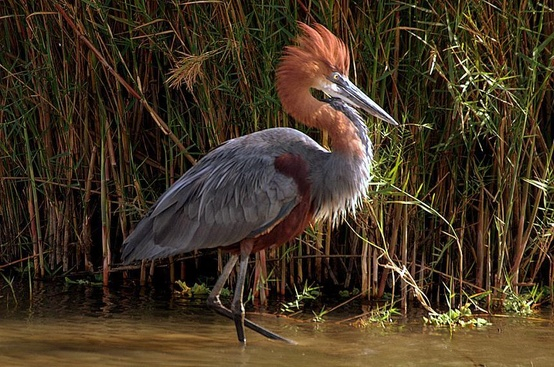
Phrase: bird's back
(234, 192)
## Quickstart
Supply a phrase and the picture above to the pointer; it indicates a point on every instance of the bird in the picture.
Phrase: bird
(263, 189)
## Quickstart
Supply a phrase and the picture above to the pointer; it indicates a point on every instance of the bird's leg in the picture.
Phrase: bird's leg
(213, 299)
(237, 307)
(215, 304)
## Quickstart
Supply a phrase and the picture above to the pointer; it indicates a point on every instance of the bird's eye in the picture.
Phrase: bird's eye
(335, 76)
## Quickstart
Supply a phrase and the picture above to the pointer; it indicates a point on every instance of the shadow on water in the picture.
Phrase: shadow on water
(118, 327)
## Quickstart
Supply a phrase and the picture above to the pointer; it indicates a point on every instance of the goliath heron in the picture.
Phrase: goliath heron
(265, 188)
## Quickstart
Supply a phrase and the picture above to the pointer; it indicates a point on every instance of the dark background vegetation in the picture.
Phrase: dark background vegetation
(103, 104)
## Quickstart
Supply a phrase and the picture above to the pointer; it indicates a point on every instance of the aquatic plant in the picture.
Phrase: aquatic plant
(309, 292)
(523, 303)
(319, 316)
(81, 281)
(380, 315)
(195, 290)
(456, 316)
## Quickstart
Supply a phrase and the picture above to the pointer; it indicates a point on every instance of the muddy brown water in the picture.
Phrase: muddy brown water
(89, 326)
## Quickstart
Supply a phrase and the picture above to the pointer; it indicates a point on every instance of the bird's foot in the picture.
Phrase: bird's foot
(215, 304)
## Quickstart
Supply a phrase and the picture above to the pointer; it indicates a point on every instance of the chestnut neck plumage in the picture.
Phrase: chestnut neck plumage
(300, 104)
(341, 182)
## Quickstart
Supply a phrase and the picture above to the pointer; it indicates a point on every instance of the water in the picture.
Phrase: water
(92, 326)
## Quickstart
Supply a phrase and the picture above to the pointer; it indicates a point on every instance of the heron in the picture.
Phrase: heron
(263, 189)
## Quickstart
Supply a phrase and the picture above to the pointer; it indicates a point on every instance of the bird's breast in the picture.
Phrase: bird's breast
(339, 185)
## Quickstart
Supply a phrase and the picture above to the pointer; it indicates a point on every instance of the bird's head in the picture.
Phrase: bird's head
(321, 61)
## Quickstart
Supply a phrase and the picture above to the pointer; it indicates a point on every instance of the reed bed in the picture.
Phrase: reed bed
(103, 105)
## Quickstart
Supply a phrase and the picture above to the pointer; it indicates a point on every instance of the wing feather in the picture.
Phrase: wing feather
(233, 193)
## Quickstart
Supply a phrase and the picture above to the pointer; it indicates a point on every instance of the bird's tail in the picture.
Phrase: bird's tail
(140, 243)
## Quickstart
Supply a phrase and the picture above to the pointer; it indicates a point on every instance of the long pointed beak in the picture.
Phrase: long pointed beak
(341, 87)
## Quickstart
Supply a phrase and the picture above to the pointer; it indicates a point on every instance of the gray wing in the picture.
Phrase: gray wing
(233, 193)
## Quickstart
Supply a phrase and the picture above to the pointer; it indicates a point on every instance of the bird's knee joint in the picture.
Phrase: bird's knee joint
(237, 309)
(213, 302)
